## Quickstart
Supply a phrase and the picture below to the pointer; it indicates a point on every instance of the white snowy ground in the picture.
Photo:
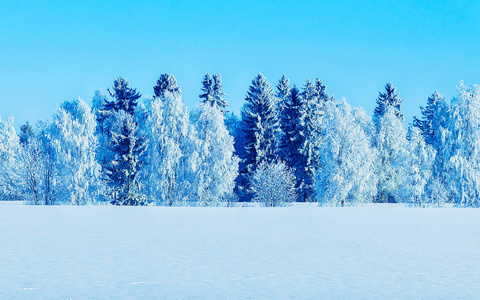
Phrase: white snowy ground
(104, 252)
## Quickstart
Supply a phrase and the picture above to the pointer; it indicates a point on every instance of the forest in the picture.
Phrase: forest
(289, 144)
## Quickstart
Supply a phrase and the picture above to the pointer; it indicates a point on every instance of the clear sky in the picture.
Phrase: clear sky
(52, 51)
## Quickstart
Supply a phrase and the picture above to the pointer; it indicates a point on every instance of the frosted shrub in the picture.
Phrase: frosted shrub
(273, 185)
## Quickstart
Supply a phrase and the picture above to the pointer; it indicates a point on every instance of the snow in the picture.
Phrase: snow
(102, 252)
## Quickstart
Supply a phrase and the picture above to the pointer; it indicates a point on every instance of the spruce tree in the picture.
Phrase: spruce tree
(260, 127)
(212, 91)
(125, 97)
(388, 99)
(283, 89)
(123, 172)
(207, 90)
(308, 136)
(125, 144)
(435, 104)
(166, 83)
(218, 93)
(290, 116)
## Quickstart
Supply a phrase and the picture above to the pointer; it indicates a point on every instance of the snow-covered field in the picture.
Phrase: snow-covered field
(305, 252)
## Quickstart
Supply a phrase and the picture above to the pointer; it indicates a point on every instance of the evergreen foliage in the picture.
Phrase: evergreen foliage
(125, 97)
(166, 83)
(260, 128)
(123, 171)
(389, 99)
(435, 107)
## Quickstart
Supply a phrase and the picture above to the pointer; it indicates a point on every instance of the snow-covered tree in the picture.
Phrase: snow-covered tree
(415, 163)
(123, 171)
(462, 169)
(283, 89)
(212, 91)
(218, 93)
(433, 118)
(307, 135)
(291, 116)
(10, 181)
(172, 154)
(26, 133)
(124, 146)
(390, 138)
(207, 89)
(30, 164)
(273, 184)
(125, 98)
(167, 83)
(260, 127)
(388, 100)
(347, 159)
(75, 144)
(218, 167)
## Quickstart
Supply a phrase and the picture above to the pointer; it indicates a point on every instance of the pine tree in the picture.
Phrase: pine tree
(218, 167)
(290, 125)
(123, 172)
(389, 99)
(283, 89)
(124, 145)
(166, 83)
(260, 127)
(307, 136)
(207, 90)
(125, 97)
(218, 93)
(435, 103)
(212, 89)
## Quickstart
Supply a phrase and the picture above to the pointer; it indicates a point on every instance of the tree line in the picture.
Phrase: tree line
(288, 144)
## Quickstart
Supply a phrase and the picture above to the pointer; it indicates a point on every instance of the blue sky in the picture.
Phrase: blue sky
(52, 51)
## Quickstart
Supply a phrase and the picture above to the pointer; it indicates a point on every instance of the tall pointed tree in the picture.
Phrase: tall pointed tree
(218, 93)
(429, 130)
(212, 91)
(125, 145)
(123, 171)
(207, 89)
(390, 137)
(389, 99)
(260, 127)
